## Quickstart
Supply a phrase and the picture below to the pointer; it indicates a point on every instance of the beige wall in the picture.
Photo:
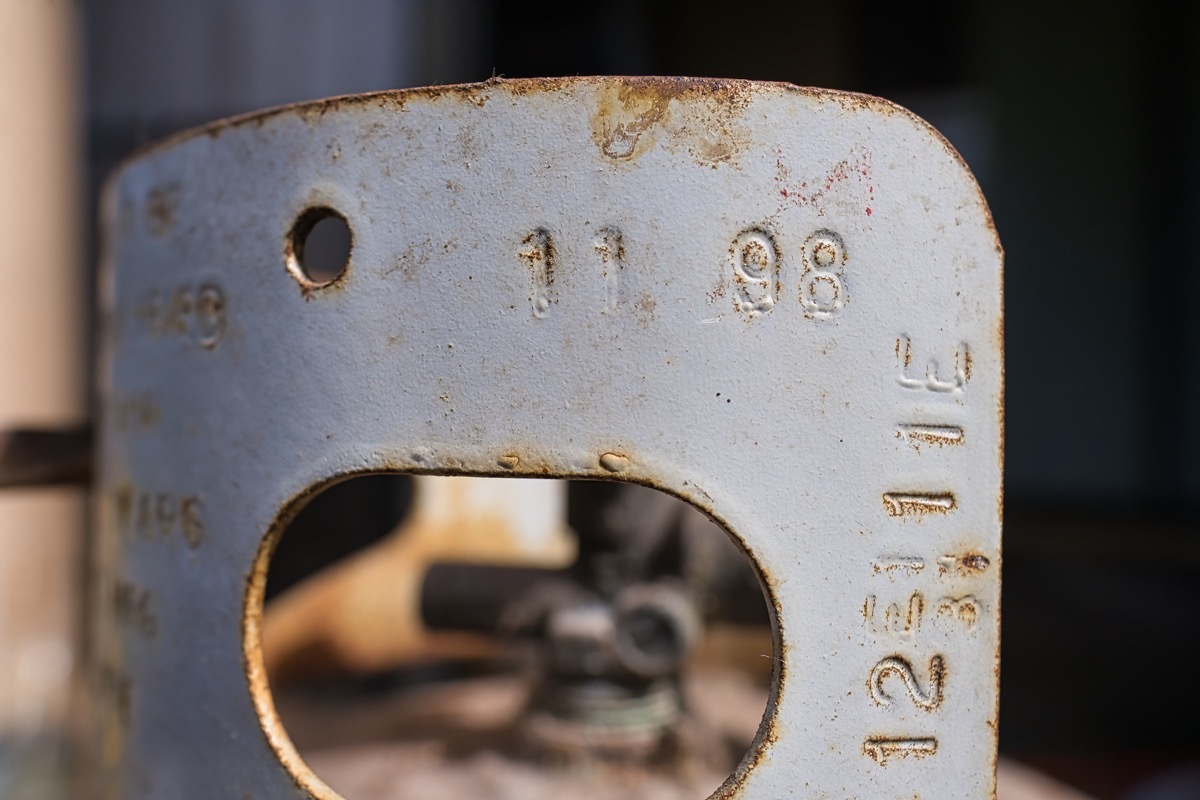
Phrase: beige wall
(42, 362)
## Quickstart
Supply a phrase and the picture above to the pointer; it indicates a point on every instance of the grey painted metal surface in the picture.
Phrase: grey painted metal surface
(780, 304)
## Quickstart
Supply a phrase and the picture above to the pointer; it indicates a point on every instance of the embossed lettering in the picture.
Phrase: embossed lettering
(932, 378)
(883, 748)
(158, 515)
(940, 435)
(908, 565)
(904, 621)
(132, 607)
(209, 323)
(904, 504)
(190, 523)
(754, 260)
(899, 667)
(195, 312)
(964, 611)
(611, 248)
(823, 280)
(540, 257)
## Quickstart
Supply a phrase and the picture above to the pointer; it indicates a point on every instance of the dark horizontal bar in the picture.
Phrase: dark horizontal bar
(33, 457)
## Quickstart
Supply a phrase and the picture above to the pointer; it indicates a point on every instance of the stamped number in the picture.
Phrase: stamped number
(823, 281)
(754, 260)
(197, 313)
(926, 699)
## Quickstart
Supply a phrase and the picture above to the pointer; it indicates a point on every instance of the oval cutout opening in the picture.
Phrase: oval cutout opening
(490, 637)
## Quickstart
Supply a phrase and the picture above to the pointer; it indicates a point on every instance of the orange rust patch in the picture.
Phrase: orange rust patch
(623, 116)
(974, 562)
(633, 114)
(965, 564)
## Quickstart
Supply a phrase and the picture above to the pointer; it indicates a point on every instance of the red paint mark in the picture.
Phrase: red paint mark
(856, 169)
(868, 211)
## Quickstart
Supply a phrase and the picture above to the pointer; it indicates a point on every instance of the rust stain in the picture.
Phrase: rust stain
(719, 289)
(412, 261)
(470, 148)
(633, 114)
(624, 114)
(645, 307)
(974, 562)
(540, 256)
(768, 735)
(1000, 405)
(768, 730)
(964, 564)
(255, 666)
(940, 435)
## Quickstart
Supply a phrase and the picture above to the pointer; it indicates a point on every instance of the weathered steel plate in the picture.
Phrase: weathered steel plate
(781, 304)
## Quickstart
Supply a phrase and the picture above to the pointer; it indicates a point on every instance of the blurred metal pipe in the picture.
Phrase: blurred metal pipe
(42, 358)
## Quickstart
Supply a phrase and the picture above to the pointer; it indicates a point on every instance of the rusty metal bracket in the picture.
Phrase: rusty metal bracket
(781, 304)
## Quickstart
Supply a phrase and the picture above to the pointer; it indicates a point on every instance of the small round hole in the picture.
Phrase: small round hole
(319, 246)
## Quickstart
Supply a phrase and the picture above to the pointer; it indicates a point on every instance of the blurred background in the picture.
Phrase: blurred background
(1080, 121)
